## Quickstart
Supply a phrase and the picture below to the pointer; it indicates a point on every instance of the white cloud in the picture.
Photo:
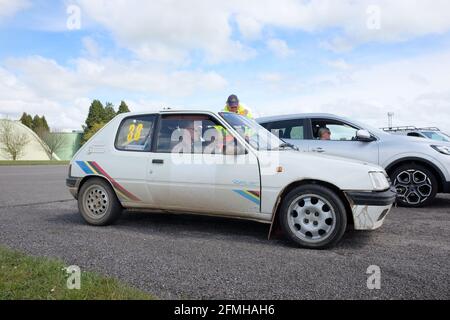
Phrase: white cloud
(415, 89)
(339, 64)
(16, 98)
(271, 77)
(11, 7)
(48, 77)
(91, 47)
(279, 47)
(169, 30)
(337, 44)
(39, 85)
(249, 27)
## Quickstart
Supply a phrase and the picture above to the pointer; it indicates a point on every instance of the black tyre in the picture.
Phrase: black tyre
(416, 185)
(98, 203)
(313, 216)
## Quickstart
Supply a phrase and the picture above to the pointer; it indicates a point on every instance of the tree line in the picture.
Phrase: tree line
(37, 124)
(100, 115)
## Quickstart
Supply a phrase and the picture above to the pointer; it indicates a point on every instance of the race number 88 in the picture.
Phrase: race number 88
(134, 132)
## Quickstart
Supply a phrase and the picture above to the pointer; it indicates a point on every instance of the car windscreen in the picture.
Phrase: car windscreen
(256, 135)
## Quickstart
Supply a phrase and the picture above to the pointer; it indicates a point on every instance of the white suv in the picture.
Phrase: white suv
(225, 165)
(419, 168)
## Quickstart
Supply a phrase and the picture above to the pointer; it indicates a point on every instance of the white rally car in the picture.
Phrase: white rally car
(223, 164)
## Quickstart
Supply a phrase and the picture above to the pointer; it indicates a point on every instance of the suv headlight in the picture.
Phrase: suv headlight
(442, 149)
(380, 180)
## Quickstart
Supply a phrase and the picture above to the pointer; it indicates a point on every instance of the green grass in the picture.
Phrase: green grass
(24, 277)
(32, 163)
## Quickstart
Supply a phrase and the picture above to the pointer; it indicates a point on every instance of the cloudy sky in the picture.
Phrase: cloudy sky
(360, 59)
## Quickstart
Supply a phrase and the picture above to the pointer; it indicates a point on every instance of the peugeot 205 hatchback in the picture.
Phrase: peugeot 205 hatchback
(223, 164)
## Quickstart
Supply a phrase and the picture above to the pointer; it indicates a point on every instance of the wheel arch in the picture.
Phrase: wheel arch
(274, 226)
(92, 176)
(419, 161)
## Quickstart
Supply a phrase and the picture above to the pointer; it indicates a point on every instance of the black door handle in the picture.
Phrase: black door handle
(158, 161)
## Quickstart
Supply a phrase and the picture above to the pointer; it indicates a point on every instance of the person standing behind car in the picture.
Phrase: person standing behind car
(233, 105)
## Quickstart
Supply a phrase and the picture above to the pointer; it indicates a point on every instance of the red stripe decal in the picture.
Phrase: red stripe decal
(114, 182)
(255, 193)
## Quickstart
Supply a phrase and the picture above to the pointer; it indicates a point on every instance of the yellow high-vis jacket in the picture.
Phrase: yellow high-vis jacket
(242, 111)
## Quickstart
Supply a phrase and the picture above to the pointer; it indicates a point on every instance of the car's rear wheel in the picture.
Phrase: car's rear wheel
(313, 216)
(416, 185)
(98, 203)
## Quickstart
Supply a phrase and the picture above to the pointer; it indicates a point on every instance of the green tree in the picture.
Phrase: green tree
(26, 120)
(96, 115)
(37, 123)
(109, 112)
(45, 124)
(90, 132)
(123, 108)
(40, 126)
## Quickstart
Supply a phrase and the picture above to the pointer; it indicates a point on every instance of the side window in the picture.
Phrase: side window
(414, 134)
(190, 134)
(337, 130)
(289, 129)
(135, 133)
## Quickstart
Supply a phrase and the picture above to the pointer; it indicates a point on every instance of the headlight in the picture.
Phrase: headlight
(442, 149)
(380, 180)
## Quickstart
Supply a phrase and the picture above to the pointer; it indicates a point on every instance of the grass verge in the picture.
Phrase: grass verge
(24, 277)
(32, 163)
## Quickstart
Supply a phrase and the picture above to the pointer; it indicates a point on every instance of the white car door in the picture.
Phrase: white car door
(197, 181)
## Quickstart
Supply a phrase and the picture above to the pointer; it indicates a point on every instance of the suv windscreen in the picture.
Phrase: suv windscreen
(436, 136)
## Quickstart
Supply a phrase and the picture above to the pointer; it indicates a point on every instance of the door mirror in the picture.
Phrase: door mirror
(364, 136)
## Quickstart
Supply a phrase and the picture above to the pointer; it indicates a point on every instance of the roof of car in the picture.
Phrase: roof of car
(136, 113)
(298, 115)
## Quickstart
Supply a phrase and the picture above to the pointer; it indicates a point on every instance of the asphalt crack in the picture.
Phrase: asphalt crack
(35, 204)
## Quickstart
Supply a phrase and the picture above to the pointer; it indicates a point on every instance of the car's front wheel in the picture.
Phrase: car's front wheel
(416, 185)
(313, 216)
(98, 203)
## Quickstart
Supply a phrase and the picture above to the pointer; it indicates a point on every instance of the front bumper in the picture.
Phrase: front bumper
(371, 208)
(72, 183)
(446, 187)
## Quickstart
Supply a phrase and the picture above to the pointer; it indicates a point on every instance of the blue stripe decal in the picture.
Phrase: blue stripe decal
(246, 196)
(84, 167)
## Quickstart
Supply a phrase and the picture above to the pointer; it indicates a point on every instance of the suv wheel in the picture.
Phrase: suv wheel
(313, 217)
(416, 185)
(98, 203)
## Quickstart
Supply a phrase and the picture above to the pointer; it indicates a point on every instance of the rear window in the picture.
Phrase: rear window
(135, 133)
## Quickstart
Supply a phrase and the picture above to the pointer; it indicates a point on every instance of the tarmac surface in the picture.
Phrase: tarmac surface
(194, 257)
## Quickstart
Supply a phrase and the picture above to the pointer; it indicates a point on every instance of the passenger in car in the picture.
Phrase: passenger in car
(324, 134)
